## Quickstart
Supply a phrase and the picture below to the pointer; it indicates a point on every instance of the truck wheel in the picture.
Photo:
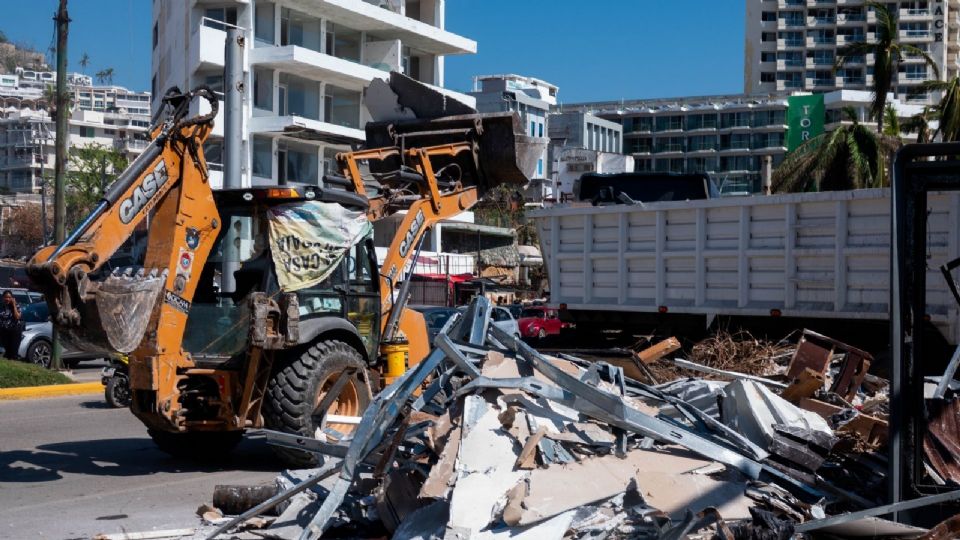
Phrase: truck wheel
(196, 445)
(298, 387)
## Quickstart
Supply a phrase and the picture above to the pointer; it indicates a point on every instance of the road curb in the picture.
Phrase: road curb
(53, 390)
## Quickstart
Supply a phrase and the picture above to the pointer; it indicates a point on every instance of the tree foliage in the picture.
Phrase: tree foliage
(948, 109)
(91, 169)
(105, 76)
(891, 122)
(888, 52)
(23, 230)
(502, 206)
(849, 157)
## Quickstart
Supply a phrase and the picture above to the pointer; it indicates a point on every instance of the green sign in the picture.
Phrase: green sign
(805, 116)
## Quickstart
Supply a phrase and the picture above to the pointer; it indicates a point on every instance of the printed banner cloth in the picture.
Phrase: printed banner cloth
(309, 239)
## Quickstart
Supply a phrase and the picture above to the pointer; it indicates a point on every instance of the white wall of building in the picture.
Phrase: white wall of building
(306, 65)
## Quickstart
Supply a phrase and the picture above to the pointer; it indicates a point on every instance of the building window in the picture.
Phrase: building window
(216, 17)
(768, 36)
(533, 128)
(768, 77)
(792, 39)
(540, 129)
(669, 123)
(768, 16)
(768, 57)
(153, 87)
(540, 167)
(916, 72)
(301, 164)
(263, 89)
(87, 132)
(263, 157)
(156, 35)
(263, 24)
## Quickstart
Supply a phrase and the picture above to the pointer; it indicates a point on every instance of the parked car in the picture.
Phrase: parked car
(502, 319)
(540, 322)
(25, 297)
(435, 317)
(36, 346)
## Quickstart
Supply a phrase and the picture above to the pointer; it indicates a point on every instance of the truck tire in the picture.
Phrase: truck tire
(297, 387)
(196, 445)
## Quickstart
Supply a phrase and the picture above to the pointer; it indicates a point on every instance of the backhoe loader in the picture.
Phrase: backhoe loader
(220, 338)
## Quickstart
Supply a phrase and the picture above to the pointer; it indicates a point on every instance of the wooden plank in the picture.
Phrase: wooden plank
(658, 350)
(804, 386)
(527, 458)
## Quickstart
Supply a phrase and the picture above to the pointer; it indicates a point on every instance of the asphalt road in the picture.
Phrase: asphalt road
(72, 468)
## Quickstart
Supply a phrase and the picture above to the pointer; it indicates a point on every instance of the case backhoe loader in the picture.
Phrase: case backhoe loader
(216, 343)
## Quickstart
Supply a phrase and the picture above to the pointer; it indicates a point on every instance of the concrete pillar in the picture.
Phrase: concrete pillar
(323, 98)
(276, 23)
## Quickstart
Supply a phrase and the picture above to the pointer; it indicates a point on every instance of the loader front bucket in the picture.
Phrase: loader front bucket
(504, 154)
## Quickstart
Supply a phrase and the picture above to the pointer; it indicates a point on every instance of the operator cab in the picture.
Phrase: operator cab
(241, 263)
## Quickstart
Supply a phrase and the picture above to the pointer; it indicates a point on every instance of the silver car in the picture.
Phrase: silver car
(502, 319)
(36, 344)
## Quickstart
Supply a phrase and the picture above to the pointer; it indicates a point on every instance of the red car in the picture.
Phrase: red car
(540, 322)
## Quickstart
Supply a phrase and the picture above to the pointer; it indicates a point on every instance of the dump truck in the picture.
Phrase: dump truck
(265, 307)
(780, 262)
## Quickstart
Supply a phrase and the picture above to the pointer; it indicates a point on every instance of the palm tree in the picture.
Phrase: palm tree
(920, 124)
(849, 157)
(105, 76)
(888, 52)
(891, 122)
(948, 109)
(84, 61)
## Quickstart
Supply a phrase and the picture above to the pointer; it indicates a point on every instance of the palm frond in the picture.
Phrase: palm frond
(916, 51)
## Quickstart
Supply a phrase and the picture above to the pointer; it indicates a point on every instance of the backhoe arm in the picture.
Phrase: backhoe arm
(169, 182)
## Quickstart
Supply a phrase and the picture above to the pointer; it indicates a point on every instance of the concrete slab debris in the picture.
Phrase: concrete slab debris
(489, 439)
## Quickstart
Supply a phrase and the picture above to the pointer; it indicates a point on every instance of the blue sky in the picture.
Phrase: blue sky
(615, 49)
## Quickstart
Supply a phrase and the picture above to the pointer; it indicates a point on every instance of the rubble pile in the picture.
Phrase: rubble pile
(489, 439)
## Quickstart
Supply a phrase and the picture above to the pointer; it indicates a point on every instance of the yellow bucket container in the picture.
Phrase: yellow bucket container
(397, 355)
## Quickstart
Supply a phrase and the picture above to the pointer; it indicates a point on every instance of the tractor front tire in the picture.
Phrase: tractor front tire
(298, 386)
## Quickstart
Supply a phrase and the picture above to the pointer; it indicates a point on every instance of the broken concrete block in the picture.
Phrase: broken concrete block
(595, 479)
(484, 468)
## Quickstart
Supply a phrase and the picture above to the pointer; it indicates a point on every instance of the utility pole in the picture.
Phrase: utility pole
(43, 187)
(59, 201)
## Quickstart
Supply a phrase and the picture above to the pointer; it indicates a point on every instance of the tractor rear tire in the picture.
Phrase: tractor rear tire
(199, 446)
(297, 388)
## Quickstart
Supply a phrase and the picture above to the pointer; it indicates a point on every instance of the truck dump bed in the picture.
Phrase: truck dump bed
(822, 255)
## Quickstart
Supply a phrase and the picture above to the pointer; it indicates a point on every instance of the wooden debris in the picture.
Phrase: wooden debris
(804, 386)
(657, 351)
(527, 458)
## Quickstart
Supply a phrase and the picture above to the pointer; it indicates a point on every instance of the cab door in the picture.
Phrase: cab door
(363, 295)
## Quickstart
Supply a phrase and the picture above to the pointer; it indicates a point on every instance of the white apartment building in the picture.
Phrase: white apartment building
(725, 136)
(306, 63)
(109, 116)
(791, 45)
(531, 99)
